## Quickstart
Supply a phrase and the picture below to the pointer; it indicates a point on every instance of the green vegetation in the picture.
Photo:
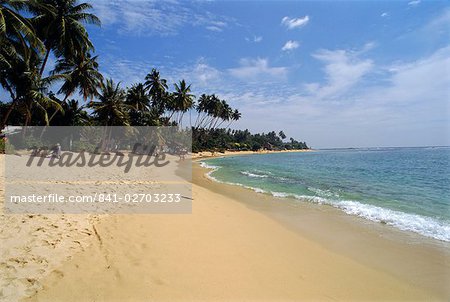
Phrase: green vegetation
(238, 140)
(32, 30)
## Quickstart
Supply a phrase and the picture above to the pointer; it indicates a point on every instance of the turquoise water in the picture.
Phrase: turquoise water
(407, 188)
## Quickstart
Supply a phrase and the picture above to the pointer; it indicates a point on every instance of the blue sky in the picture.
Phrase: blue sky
(332, 73)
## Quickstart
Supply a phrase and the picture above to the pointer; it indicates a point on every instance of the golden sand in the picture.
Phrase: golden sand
(223, 251)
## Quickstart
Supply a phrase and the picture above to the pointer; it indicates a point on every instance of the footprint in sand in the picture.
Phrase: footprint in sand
(158, 281)
(21, 262)
(7, 267)
(57, 274)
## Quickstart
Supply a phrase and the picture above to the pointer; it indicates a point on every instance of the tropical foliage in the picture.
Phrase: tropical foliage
(32, 31)
(241, 140)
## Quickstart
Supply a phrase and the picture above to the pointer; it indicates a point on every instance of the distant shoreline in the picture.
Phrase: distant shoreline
(383, 147)
(209, 154)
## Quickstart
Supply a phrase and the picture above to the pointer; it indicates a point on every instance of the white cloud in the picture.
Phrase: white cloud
(204, 74)
(255, 39)
(200, 73)
(123, 70)
(145, 18)
(433, 32)
(292, 23)
(408, 106)
(385, 14)
(214, 28)
(424, 80)
(290, 45)
(414, 3)
(439, 23)
(367, 47)
(213, 25)
(253, 69)
(343, 69)
(105, 12)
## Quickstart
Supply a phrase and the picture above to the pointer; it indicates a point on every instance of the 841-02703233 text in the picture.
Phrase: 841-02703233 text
(99, 198)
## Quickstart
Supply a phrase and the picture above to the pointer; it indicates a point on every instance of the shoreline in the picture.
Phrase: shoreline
(440, 234)
(209, 154)
(403, 254)
(324, 201)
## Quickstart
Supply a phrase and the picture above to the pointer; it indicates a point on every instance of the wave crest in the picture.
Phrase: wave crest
(249, 174)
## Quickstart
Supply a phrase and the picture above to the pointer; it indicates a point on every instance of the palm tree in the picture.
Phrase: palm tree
(60, 25)
(16, 29)
(221, 112)
(138, 98)
(157, 89)
(235, 116)
(74, 114)
(27, 88)
(17, 37)
(203, 109)
(183, 100)
(139, 103)
(80, 72)
(111, 109)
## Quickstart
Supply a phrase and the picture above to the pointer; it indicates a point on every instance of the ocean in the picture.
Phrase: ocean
(407, 188)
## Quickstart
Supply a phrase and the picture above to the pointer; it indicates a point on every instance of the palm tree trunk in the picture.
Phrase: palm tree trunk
(27, 121)
(181, 120)
(103, 141)
(204, 120)
(190, 118)
(108, 145)
(213, 122)
(171, 115)
(196, 120)
(220, 124)
(51, 117)
(229, 124)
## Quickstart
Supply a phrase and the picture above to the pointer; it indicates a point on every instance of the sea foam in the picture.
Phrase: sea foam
(426, 226)
(423, 225)
(249, 174)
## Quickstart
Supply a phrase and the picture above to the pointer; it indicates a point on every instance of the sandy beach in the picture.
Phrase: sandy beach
(225, 250)
(123, 175)
(34, 245)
